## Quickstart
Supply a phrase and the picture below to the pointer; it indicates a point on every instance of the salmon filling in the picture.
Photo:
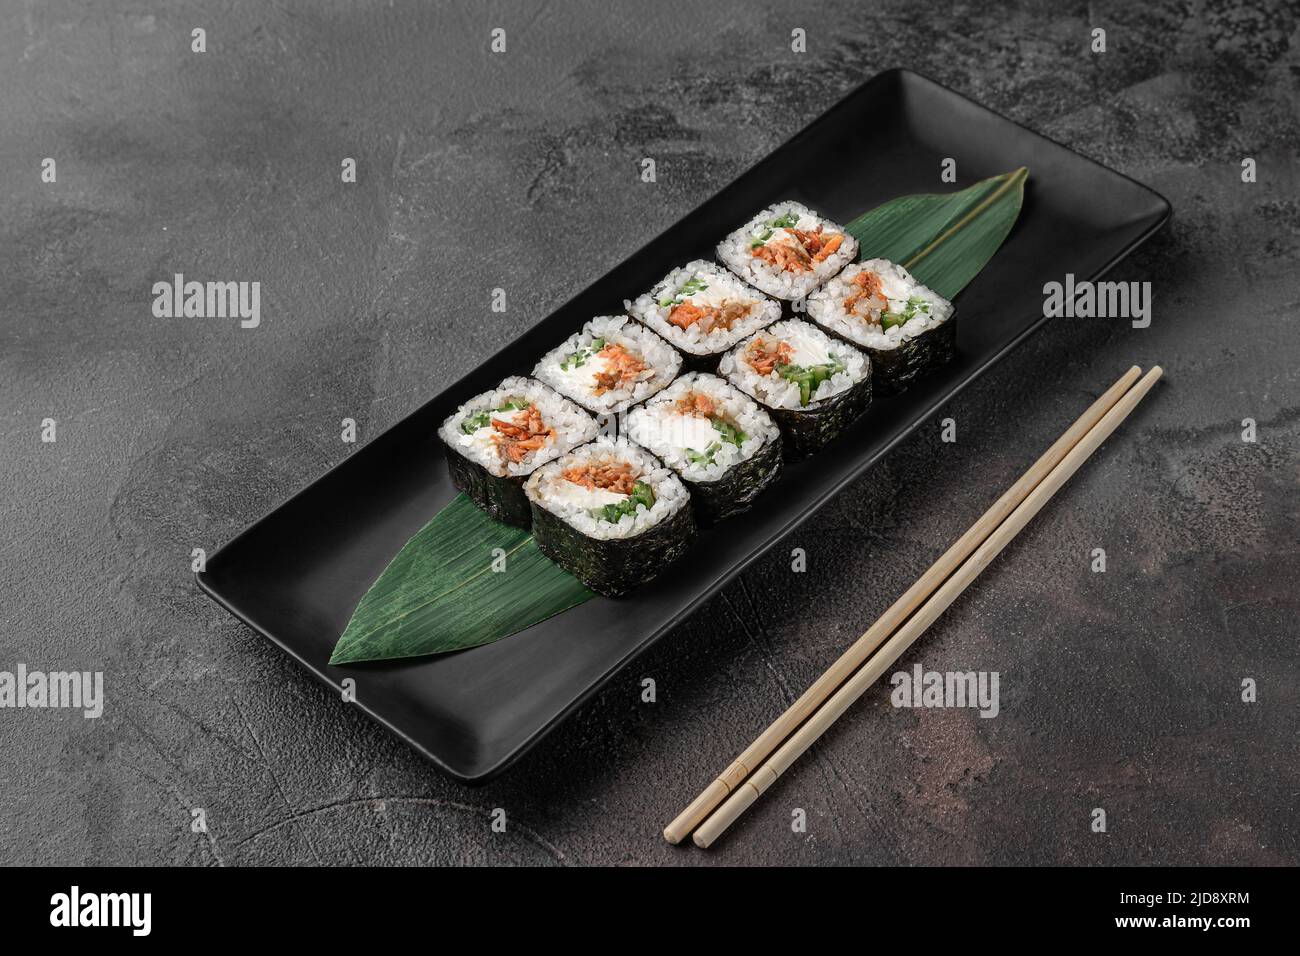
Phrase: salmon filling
(809, 247)
(867, 300)
(622, 369)
(696, 403)
(764, 357)
(610, 476)
(709, 318)
(528, 433)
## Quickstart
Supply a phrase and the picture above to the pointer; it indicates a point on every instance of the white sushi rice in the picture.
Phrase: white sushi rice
(579, 506)
(572, 426)
(826, 306)
(661, 427)
(712, 287)
(737, 252)
(809, 346)
(578, 380)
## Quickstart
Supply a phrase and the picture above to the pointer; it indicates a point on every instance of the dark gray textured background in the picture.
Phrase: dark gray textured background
(1118, 690)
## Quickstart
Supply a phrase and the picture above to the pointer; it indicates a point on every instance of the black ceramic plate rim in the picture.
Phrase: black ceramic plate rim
(737, 567)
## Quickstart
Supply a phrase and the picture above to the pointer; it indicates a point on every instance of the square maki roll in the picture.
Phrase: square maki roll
(610, 514)
(723, 445)
(907, 329)
(610, 365)
(497, 439)
(813, 385)
(703, 310)
(787, 250)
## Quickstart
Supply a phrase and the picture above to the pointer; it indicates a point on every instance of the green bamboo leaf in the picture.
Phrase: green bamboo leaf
(440, 592)
(943, 239)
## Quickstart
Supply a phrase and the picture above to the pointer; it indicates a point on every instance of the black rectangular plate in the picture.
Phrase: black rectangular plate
(296, 575)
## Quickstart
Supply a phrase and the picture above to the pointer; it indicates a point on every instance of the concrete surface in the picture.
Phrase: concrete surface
(1119, 690)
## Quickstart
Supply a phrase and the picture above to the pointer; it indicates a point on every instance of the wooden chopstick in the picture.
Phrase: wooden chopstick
(862, 648)
(855, 686)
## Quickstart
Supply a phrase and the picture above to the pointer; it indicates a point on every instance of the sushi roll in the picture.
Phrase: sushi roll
(610, 365)
(814, 385)
(907, 329)
(721, 443)
(703, 310)
(610, 514)
(497, 439)
(787, 250)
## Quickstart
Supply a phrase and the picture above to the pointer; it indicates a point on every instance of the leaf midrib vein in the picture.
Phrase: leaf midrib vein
(1013, 179)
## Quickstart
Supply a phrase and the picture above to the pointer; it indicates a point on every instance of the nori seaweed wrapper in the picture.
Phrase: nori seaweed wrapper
(615, 566)
(502, 498)
(806, 430)
(739, 485)
(690, 361)
(700, 363)
(895, 369)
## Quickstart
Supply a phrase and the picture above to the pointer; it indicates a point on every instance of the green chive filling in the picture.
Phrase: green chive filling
(703, 457)
(689, 287)
(914, 305)
(787, 221)
(808, 379)
(482, 419)
(730, 433)
(641, 495)
(579, 358)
